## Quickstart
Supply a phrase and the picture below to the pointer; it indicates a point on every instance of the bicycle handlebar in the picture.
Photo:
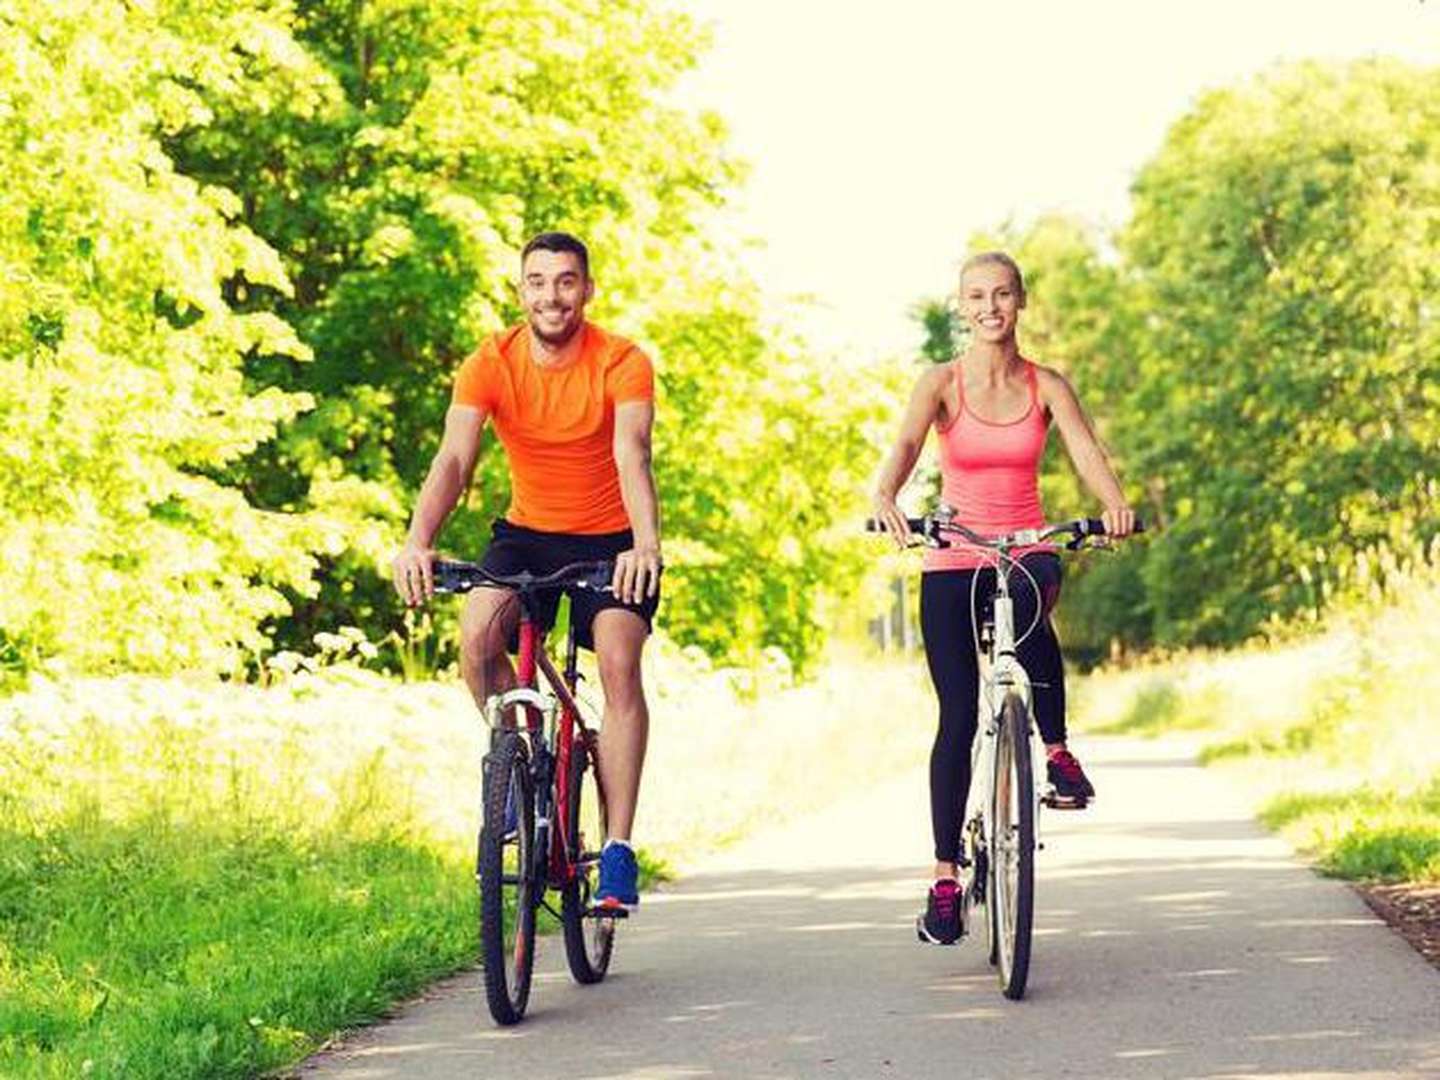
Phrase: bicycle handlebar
(454, 576)
(931, 526)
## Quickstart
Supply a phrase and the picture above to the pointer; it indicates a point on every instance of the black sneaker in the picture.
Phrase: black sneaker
(941, 922)
(1072, 788)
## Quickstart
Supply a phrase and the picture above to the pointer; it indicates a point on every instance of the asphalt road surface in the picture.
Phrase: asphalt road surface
(1174, 938)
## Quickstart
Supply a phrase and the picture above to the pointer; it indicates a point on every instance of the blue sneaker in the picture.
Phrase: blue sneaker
(619, 879)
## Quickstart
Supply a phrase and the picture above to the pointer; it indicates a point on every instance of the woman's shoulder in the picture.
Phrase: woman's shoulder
(1049, 378)
(936, 377)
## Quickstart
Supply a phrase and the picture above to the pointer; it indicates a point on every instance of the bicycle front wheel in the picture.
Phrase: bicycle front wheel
(505, 867)
(589, 939)
(1012, 849)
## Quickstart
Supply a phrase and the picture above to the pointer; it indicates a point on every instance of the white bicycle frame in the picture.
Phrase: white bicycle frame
(1001, 674)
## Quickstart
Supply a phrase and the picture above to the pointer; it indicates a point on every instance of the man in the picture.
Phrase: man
(573, 408)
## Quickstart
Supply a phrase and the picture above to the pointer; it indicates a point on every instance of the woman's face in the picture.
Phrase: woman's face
(990, 300)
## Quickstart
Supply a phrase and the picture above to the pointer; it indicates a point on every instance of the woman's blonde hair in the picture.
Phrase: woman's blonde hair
(998, 258)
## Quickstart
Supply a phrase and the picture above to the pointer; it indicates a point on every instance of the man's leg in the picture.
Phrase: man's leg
(486, 625)
(619, 639)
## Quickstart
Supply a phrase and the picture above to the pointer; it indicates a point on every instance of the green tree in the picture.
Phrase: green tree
(1287, 248)
(442, 136)
(121, 393)
(762, 475)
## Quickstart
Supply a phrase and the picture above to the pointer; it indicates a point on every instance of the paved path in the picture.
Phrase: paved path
(1174, 938)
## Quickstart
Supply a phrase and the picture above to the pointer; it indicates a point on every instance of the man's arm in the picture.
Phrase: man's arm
(637, 571)
(446, 481)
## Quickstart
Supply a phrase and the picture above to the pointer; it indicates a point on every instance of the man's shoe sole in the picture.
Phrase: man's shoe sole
(613, 908)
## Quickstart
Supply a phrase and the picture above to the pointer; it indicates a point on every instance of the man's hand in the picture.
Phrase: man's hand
(413, 571)
(637, 574)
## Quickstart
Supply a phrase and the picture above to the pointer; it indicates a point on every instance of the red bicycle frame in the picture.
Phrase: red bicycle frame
(532, 655)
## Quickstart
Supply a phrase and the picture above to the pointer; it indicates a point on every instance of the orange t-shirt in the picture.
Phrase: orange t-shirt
(558, 425)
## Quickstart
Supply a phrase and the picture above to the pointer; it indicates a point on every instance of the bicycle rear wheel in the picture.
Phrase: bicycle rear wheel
(506, 869)
(589, 940)
(1012, 849)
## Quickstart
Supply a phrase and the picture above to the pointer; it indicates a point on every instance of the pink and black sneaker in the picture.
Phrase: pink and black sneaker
(1072, 789)
(941, 923)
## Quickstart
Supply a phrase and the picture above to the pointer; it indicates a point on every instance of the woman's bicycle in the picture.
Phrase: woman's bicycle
(544, 819)
(1008, 756)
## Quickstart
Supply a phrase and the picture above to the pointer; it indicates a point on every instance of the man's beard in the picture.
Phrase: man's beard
(556, 340)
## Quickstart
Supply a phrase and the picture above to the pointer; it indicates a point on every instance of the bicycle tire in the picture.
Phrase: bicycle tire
(992, 935)
(589, 941)
(1012, 849)
(505, 868)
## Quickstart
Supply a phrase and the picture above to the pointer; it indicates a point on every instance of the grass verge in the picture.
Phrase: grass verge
(1332, 734)
(212, 880)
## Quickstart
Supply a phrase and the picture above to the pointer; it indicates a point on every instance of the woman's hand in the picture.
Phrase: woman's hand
(885, 511)
(1119, 520)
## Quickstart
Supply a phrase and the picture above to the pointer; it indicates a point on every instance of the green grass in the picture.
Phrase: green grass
(1158, 706)
(1332, 732)
(202, 880)
(1364, 833)
(157, 948)
(177, 901)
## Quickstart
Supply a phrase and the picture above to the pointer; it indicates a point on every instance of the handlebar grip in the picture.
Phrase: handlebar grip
(1096, 527)
(875, 525)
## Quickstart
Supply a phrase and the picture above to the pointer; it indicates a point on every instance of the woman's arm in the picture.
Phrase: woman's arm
(920, 414)
(1085, 451)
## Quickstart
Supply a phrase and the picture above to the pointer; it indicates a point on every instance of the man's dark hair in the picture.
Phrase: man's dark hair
(558, 241)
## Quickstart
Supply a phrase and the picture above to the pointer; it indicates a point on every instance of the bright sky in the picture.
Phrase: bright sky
(881, 134)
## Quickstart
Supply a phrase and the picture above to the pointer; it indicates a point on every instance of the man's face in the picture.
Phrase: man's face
(554, 291)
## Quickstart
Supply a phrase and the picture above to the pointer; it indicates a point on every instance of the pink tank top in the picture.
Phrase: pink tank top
(989, 473)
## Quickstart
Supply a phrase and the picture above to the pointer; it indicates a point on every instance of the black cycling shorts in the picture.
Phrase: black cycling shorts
(515, 549)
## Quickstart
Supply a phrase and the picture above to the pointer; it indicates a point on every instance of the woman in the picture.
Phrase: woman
(991, 409)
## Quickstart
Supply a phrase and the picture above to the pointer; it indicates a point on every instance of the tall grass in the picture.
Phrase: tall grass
(203, 881)
(209, 880)
(1333, 728)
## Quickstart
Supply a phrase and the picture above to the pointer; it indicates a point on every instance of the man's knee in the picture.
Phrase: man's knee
(619, 641)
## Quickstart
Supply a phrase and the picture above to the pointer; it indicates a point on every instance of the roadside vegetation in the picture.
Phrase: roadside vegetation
(210, 880)
(1333, 731)
(246, 243)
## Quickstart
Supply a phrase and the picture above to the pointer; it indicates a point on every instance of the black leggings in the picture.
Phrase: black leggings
(946, 619)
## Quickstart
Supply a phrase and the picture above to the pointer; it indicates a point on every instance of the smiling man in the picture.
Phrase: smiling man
(573, 407)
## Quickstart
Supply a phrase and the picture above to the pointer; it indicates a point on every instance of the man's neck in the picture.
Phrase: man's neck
(546, 354)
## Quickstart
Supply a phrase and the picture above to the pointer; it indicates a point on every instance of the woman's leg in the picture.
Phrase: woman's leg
(946, 622)
(1040, 651)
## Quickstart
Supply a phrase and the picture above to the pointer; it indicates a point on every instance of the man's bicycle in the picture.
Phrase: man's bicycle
(1008, 756)
(544, 819)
